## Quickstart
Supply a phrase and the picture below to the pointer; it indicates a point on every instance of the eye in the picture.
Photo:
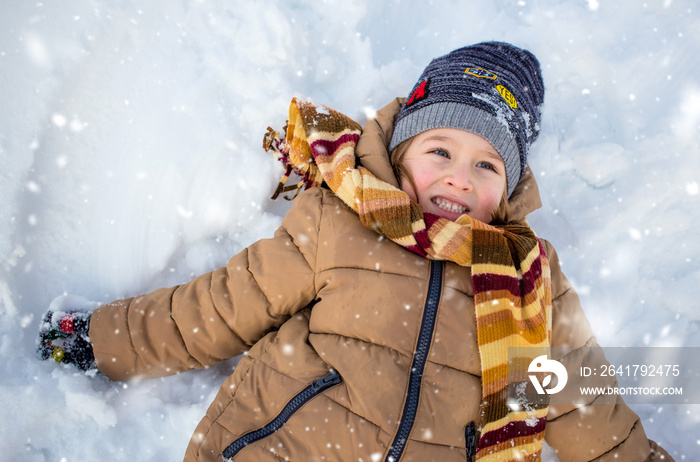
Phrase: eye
(487, 165)
(441, 152)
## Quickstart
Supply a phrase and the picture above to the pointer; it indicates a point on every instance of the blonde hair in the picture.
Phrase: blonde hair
(499, 216)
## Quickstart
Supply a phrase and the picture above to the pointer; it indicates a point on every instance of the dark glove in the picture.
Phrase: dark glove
(63, 337)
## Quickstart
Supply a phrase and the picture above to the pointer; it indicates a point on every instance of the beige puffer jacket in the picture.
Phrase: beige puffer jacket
(347, 360)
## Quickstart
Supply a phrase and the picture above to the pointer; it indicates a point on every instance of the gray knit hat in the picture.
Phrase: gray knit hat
(492, 89)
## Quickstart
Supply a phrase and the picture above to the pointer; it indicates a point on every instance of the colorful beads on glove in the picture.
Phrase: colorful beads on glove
(58, 354)
(63, 337)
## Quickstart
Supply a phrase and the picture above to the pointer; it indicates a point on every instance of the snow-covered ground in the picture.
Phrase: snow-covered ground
(130, 159)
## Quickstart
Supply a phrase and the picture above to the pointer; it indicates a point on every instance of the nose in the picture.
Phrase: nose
(459, 178)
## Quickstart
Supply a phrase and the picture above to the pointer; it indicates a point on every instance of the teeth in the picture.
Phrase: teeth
(449, 206)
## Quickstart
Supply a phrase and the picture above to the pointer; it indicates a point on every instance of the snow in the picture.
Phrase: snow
(130, 159)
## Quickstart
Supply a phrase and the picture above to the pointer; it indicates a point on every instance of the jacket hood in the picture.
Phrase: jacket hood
(372, 150)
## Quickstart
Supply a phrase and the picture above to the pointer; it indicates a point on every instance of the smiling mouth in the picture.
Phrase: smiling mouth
(449, 206)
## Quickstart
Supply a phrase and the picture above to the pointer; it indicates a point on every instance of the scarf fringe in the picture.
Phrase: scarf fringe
(306, 169)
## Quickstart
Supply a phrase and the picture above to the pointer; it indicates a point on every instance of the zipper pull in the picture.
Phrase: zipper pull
(328, 381)
(470, 435)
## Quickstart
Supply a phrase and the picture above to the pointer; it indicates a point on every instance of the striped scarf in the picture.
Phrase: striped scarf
(510, 271)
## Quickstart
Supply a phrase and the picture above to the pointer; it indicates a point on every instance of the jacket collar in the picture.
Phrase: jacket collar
(372, 153)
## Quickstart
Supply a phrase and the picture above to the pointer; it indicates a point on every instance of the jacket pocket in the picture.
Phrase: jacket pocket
(301, 398)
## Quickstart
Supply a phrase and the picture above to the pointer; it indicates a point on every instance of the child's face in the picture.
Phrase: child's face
(455, 172)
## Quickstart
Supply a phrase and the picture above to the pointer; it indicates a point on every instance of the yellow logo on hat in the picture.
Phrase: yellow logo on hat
(479, 72)
(508, 96)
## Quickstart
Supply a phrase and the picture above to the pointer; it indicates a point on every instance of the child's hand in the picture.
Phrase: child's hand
(63, 337)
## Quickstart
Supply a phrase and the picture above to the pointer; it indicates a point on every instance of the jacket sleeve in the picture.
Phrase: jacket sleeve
(218, 315)
(604, 428)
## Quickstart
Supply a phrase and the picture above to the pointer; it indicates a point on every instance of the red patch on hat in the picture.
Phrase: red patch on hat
(419, 93)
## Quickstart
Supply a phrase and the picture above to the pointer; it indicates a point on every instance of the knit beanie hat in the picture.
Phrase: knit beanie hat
(492, 89)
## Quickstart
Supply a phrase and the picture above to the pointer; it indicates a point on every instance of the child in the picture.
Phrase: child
(377, 320)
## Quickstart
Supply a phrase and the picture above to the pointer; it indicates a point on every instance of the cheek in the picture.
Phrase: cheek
(422, 177)
(493, 195)
(406, 187)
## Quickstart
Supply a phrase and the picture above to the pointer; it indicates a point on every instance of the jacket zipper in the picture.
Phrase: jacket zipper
(316, 387)
(420, 356)
(470, 436)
